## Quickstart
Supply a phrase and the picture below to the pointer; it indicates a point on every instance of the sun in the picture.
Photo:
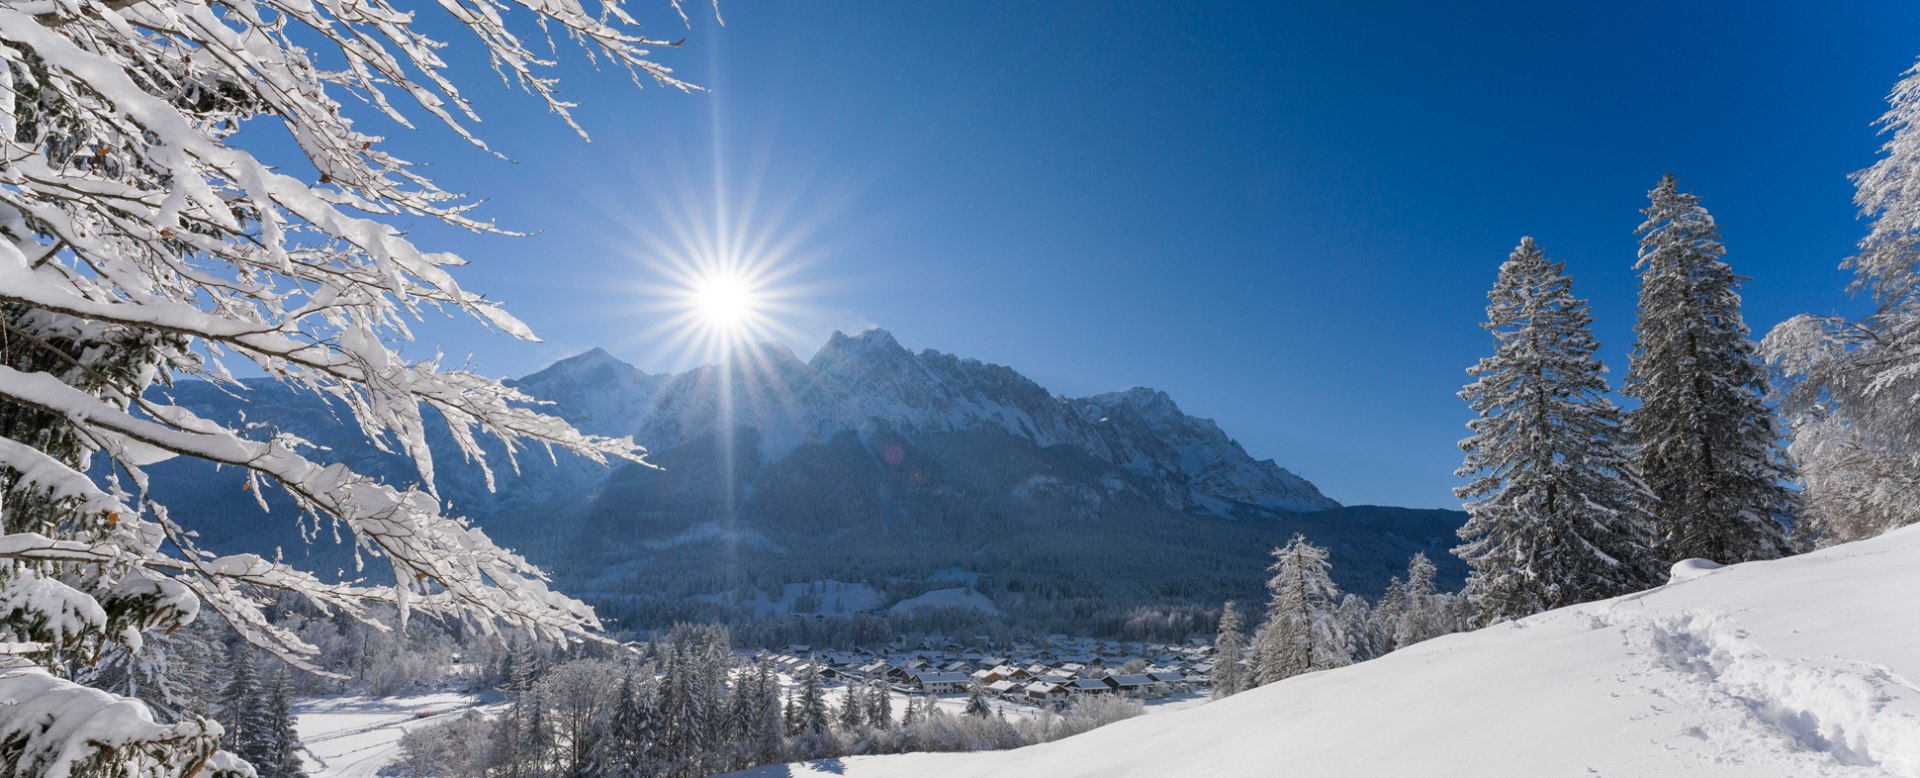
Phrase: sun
(724, 300)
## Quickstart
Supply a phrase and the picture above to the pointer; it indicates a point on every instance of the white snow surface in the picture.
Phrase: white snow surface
(947, 598)
(355, 737)
(1796, 667)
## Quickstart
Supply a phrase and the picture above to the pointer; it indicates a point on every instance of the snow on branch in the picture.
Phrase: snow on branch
(140, 243)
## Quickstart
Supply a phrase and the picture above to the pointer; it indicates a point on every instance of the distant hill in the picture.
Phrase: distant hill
(867, 462)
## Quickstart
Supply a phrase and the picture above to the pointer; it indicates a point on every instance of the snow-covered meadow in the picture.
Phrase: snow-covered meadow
(1794, 667)
(355, 737)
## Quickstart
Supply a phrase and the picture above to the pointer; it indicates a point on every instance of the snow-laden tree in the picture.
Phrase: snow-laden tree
(282, 759)
(853, 710)
(142, 242)
(1849, 389)
(1229, 654)
(879, 705)
(977, 702)
(1706, 444)
(1556, 513)
(1423, 614)
(1302, 632)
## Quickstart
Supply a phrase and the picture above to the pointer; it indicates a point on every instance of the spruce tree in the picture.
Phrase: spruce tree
(1301, 634)
(812, 718)
(1706, 443)
(911, 715)
(244, 712)
(1229, 654)
(282, 759)
(1423, 615)
(977, 703)
(769, 743)
(622, 746)
(853, 710)
(1556, 511)
(880, 705)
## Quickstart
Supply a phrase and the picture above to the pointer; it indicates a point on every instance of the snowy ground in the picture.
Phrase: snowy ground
(353, 737)
(1799, 667)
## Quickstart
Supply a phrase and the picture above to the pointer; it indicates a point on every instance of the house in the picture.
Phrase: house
(1043, 692)
(1166, 683)
(1080, 686)
(943, 682)
(1005, 689)
(1129, 684)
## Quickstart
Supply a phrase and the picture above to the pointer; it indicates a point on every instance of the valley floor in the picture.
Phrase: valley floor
(354, 737)
(1797, 667)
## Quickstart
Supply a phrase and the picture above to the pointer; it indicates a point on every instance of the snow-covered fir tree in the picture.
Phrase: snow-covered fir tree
(1705, 441)
(977, 702)
(1302, 633)
(626, 740)
(811, 717)
(1425, 612)
(141, 241)
(244, 712)
(1850, 387)
(880, 705)
(282, 758)
(1556, 513)
(853, 710)
(1229, 653)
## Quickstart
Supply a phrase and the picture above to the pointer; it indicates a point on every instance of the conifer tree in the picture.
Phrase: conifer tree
(282, 759)
(243, 711)
(1706, 443)
(880, 709)
(1229, 654)
(769, 744)
(1301, 634)
(812, 718)
(1556, 509)
(1423, 615)
(853, 710)
(623, 744)
(977, 703)
(910, 716)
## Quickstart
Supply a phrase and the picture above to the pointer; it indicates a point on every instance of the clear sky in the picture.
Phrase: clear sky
(1284, 214)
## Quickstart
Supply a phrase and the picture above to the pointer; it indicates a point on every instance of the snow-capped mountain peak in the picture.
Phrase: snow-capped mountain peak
(868, 383)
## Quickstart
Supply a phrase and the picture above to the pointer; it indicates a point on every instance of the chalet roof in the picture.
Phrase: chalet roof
(1124, 681)
(1167, 677)
(1042, 687)
(944, 678)
(1088, 684)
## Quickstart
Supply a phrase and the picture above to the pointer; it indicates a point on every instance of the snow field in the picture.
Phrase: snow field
(1796, 667)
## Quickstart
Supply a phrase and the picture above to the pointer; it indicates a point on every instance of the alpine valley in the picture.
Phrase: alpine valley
(776, 479)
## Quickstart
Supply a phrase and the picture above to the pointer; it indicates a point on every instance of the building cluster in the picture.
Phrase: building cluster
(1047, 672)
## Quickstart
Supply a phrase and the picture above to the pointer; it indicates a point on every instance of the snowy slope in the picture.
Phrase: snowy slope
(1799, 667)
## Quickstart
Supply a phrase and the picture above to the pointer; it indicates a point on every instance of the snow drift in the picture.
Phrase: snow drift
(1794, 667)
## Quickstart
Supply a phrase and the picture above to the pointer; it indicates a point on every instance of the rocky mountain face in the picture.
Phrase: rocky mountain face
(867, 462)
(868, 384)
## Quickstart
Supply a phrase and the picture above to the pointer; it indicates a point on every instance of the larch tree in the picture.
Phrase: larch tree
(141, 242)
(1849, 389)
(1705, 441)
(1302, 632)
(1229, 654)
(1556, 512)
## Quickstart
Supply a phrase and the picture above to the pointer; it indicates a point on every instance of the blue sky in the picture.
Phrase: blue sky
(1285, 215)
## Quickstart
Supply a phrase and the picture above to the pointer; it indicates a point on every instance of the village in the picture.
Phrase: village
(1048, 673)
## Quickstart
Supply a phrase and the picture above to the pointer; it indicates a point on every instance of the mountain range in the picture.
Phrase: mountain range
(870, 463)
